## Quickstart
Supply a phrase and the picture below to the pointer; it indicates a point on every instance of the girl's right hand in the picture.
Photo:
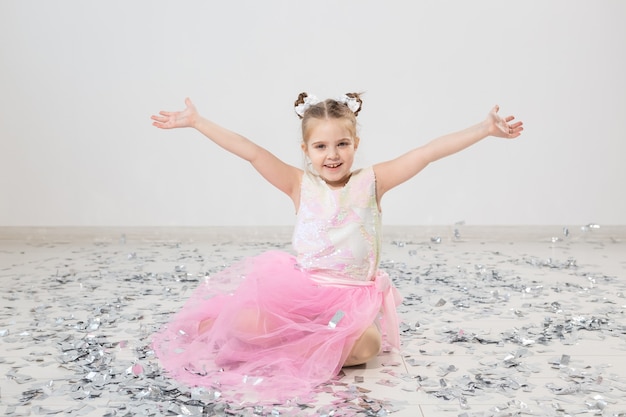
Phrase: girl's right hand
(171, 120)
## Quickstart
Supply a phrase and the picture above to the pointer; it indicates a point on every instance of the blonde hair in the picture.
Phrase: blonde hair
(329, 109)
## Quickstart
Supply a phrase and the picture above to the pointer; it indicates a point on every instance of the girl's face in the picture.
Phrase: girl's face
(331, 145)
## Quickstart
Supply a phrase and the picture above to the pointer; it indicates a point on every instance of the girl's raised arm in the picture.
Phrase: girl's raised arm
(283, 176)
(392, 173)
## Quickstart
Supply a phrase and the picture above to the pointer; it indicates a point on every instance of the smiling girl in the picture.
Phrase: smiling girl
(281, 323)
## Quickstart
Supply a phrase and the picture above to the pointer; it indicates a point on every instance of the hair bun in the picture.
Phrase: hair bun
(353, 101)
(303, 102)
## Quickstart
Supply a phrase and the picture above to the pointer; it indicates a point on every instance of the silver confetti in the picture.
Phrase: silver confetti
(335, 319)
(97, 307)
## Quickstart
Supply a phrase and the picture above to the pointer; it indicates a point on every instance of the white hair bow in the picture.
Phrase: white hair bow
(308, 102)
(352, 103)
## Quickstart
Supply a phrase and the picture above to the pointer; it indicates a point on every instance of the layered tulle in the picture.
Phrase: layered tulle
(266, 326)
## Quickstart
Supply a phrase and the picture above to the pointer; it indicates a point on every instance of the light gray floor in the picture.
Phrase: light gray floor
(496, 322)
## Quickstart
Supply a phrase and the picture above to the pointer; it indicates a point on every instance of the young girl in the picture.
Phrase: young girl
(282, 324)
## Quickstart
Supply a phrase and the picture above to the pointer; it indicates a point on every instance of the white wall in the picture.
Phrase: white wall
(79, 80)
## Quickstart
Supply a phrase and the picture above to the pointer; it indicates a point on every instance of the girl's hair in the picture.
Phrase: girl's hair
(329, 109)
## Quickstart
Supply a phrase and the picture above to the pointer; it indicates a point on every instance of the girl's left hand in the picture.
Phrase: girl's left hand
(502, 127)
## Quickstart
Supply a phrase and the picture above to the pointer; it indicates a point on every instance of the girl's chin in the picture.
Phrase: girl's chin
(335, 173)
(337, 179)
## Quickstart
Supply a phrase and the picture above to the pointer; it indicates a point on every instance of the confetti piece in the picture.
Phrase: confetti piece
(335, 319)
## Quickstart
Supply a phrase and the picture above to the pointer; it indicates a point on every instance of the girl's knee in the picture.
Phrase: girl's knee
(205, 325)
(366, 348)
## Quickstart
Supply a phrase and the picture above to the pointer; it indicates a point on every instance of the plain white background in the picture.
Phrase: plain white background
(80, 79)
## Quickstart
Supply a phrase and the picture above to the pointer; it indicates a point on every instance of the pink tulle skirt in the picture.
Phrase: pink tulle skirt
(268, 328)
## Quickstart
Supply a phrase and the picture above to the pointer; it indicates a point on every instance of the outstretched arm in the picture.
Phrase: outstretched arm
(283, 176)
(392, 173)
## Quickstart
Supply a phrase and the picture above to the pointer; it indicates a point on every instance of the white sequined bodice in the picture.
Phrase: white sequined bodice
(337, 232)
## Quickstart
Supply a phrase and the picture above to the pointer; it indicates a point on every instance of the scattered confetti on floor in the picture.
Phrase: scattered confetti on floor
(527, 322)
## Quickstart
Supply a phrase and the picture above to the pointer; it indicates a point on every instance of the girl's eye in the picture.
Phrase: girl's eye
(319, 146)
(343, 144)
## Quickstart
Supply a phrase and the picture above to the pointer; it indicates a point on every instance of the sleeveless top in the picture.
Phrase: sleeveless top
(337, 231)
